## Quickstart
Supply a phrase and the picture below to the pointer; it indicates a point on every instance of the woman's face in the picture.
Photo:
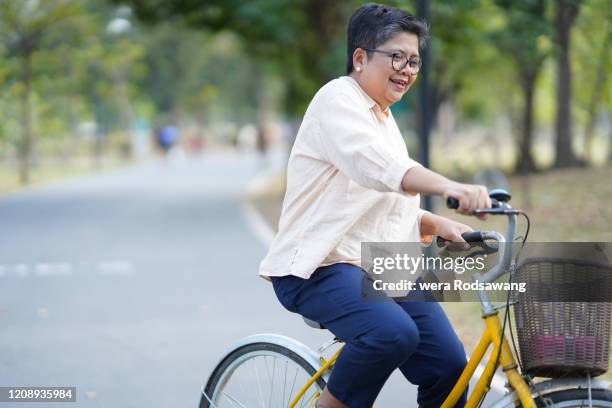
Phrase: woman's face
(376, 75)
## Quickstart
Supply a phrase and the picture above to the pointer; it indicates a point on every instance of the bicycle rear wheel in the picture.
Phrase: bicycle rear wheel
(263, 375)
(575, 398)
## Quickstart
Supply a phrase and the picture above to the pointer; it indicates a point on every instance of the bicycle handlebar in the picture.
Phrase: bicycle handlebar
(452, 203)
(482, 238)
(470, 236)
(499, 206)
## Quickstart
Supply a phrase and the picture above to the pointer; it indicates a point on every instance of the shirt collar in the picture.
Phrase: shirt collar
(371, 102)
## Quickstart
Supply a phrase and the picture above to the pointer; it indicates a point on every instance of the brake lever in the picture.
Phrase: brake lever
(496, 211)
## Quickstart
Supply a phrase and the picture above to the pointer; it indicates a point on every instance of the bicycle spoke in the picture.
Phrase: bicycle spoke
(284, 384)
(314, 394)
(267, 368)
(212, 404)
(259, 386)
(267, 371)
(240, 385)
(268, 374)
(272, 381)
(305, 400)
(234, 401)
(293, 385)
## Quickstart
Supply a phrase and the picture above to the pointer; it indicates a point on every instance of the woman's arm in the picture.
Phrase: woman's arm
(424, 181)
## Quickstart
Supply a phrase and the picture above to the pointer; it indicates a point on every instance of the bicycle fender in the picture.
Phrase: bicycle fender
(545, 387)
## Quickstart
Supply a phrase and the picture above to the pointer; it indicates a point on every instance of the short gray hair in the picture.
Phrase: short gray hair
(374, 24)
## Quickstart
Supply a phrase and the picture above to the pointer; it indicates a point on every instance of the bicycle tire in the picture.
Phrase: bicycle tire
(574, 398)
(239, 357)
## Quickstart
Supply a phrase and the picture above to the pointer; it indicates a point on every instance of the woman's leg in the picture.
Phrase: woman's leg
(379, 335)
(439, 359)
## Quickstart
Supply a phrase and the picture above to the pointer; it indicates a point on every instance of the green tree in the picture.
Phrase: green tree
(526, 25)
(566, 12)
(298, 37)
(591, 66)
(25, 25)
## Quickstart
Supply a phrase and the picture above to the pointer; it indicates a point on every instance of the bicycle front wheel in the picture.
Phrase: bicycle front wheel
(263, 375)
(575, 398)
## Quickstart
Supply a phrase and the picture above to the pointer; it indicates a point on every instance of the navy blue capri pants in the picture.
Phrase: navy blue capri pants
(379, 337)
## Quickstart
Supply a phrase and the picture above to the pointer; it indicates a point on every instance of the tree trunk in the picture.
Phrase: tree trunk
(566, 13)
(258, 93)
(25, 147)
(609, 161)
(126, 113)
(598, 87)
(525, 163)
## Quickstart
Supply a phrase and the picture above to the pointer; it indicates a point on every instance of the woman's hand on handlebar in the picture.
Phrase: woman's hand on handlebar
(424, 181)
(447, 229)
(470, 197)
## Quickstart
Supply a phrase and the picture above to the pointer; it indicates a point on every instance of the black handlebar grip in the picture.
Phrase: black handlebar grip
(471, 236)
(453, 203)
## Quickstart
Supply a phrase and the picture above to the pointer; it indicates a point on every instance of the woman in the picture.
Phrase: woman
(349, 180)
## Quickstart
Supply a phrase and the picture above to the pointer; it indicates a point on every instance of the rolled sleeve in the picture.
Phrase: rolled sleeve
(420, 214)
(394, 174)
(354, 144)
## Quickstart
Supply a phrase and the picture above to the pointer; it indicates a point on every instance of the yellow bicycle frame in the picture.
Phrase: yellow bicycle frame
(491, 335)
(326, 365)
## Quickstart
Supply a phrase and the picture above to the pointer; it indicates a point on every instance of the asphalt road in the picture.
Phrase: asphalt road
(131, 284)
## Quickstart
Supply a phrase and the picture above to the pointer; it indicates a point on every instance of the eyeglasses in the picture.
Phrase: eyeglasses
(399, 60)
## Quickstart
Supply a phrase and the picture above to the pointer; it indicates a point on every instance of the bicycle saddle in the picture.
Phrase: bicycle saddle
(313, 324)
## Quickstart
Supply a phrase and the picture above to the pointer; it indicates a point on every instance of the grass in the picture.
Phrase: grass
(53, 170)
(564, 206)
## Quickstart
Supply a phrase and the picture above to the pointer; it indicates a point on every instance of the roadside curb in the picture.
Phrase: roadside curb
(259, 186)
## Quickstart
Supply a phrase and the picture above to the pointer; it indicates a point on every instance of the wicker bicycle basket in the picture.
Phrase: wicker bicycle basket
(561, 332)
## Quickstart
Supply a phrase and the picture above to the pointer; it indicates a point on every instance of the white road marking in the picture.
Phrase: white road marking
(22, 270)
(121, 268)
(42, 312)
(63, 269)
(254, 219)
(53, 269)
(257, 223)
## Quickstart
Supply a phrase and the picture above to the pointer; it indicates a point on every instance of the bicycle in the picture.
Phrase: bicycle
(277, 357)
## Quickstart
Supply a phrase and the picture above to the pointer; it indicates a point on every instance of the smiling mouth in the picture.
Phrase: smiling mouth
(399, 82)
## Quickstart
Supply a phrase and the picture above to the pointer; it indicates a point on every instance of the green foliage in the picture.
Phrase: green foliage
(300, 37)
(591, 42)
(226, 60)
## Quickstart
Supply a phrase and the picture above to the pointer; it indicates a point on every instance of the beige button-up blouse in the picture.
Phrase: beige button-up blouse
(343, 185)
